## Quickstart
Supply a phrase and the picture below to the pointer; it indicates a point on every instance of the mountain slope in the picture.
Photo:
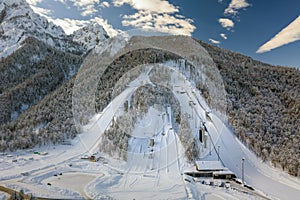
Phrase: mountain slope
(263, 106)
(18, 22)
(30, 73)
(36, 56)
(90, 36)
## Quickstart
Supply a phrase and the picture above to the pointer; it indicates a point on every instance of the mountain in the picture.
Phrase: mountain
(18, 22)
(30, 73)
(262, 109)
(39, 63)
(36, 56)
(90, 36)
(263, 106)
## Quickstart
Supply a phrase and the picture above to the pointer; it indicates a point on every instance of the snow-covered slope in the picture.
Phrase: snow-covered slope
(90, 36)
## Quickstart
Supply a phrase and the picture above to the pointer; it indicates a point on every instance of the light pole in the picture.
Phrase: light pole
(243, 161)
(218, 152)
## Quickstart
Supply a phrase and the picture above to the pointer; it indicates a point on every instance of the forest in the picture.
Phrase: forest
(263, 101)
(263, 106)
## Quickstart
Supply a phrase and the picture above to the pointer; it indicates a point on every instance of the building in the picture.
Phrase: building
(225, 174)
(213, 169)
(209, 166)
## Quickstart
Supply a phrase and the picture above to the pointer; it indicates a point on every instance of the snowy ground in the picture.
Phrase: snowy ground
(150, 172)
(3, 196)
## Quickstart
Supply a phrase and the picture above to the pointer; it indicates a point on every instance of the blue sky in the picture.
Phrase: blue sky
(267, 30)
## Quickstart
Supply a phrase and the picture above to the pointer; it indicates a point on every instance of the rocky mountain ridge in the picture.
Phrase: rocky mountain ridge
(18, 22)
(36, 56)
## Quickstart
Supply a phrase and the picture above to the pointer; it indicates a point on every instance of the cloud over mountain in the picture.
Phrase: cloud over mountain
(149, 15)
(156, 15)
(214, 41)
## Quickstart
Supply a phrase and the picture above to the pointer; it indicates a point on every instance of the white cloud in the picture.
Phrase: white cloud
(41, 11)
(156, 15)
(159, 22)
(105, 4)
(236, 5)
(226, 23)
(150, 15)
(71, 25)
(34, 2)
(88, 10)
(289, 34)
(224, 36)
(87, 7)
(232, 10)
(62, 1)
(214, 41)
(156, 6)
(84, 3)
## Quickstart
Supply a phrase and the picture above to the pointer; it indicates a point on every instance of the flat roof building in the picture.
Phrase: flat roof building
(226, 174)
(210, 166)
(213, 169)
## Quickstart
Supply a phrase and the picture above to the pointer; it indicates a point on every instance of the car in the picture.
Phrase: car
(249, 187)
(207, 182)
(217, 183)
(222, 184)
(25, 173)
(239, 181)
(188, 178)
(227, 184)
(85, 157)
